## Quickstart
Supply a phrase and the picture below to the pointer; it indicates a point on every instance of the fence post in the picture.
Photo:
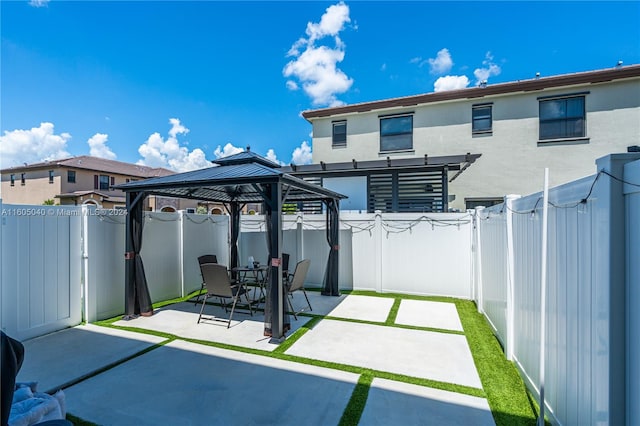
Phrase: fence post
(181, 214)
(632, 206)
(88, 307)
(477, 269)
(378, 245)
(508, 201)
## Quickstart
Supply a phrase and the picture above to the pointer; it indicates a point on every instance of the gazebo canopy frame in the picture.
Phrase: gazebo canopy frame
(235, 181)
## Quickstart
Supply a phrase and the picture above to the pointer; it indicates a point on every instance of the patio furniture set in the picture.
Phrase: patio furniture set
(230, 285)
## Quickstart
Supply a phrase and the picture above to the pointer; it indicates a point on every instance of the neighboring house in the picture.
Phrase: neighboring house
(80, 180)
(519, 128)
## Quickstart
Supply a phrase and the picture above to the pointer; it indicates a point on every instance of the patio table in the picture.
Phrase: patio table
(254, 277)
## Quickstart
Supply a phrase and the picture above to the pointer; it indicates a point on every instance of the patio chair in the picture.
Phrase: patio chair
(218, 284)
(296, 283)
(206, 258)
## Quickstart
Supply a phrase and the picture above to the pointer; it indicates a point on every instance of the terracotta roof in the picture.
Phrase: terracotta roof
(98, 164)
(588, 77)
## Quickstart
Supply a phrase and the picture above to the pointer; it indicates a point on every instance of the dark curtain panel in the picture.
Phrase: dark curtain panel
(235, 234)
(12, 357)
(330, 283)
(137, 299)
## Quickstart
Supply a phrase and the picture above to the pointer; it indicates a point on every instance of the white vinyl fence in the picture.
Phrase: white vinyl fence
(591, 365)
(76, 259)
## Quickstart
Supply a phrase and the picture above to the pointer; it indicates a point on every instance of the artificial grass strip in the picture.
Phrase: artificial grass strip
(282, 347)
(393, 312)
(355, 407)
(505, 390)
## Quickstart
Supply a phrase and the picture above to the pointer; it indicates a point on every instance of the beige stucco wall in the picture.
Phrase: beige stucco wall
(512, 160)
(35, 191)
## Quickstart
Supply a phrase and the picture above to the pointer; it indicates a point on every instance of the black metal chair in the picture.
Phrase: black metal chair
(206, 258)
(296, 283)
(218, 284)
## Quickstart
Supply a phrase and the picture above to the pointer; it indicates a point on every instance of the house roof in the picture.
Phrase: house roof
(76, 194)
(589, 77)
(237, 180)
(87, 162)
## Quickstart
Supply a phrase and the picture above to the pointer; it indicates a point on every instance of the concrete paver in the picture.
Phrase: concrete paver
(67, 355)
(184, 383)
(425, 313)
(395, 403)
(364, 308)
(425, 354)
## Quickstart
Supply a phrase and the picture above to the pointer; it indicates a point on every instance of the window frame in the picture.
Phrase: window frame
(12, 177)
(103, 182)
(23, 179)
(338, 143)
(51, 176)
(395, 134)
(565, 121)
(474, 119)
(71, 176)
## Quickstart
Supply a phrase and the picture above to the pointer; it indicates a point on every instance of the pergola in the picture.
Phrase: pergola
(234, 181)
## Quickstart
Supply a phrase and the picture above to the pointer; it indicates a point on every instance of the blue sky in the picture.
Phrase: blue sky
(177, 84)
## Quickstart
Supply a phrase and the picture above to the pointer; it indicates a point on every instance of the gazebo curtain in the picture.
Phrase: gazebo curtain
(235, 235)
(138, 300)
(330, 282)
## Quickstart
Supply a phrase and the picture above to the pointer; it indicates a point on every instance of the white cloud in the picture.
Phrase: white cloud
(271, 155)
(227, 151)
(442, 63)
(157, 152)
(98, 147)
(489, 70)
(292, 85)
(315, 65)
(38, 3)
(302, 154)
(451, 82)
(31, 146)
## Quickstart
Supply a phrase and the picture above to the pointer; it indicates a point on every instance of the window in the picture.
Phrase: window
(104, 182)
(13, 179)
(339, 134)
(396, 133)
(562, 118)
(22, 179)
(482, 120)
(50, 176)
(71, 176)
(113, 182)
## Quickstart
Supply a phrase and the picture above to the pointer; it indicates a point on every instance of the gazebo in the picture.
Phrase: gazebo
(234, 181)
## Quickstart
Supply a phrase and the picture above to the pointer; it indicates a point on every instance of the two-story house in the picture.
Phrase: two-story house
(562, 122)
(76, 181)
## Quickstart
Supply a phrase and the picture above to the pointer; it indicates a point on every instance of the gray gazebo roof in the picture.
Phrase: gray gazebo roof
(233, 178)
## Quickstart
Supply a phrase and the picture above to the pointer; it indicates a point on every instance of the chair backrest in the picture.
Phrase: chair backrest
(208, 258)
(216, 279)
(299, 275)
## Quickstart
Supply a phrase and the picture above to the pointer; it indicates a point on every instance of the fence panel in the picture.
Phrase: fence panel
(202, 235)
(495, 261)
(41, 272)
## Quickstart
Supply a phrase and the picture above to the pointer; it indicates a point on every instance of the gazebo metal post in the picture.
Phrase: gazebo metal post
(137, 298)
(274, 192)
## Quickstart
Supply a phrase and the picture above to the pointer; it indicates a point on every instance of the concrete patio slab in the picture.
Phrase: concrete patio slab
(396, 403)
(425, 354)
(424, 313)
(184, 383)
(366, 308)
(181, 320)
(62, 357)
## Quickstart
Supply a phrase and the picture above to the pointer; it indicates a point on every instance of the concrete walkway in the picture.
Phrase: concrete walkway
(180, 382)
